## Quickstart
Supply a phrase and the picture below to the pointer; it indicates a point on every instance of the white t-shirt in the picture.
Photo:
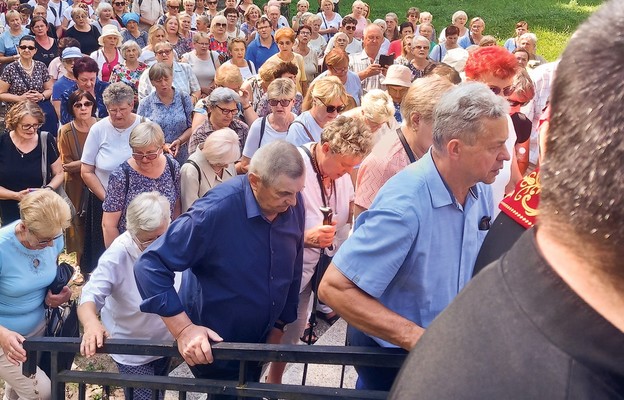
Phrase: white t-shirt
(338, 202)
(297, 134)
(113, 289)
(354, 47)
(106, 148)
(327, 24)
(67, 14)
(245, 71)
(253, 137)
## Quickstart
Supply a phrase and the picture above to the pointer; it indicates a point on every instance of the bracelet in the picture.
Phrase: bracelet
(47, 187)
(180, 333)
(247, 108)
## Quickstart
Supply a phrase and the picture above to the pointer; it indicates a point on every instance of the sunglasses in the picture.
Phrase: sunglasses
(117, 3)
(163, 52)
(275, 102)
(149, 156)
(421, 47)
(211, 3)
(332, 109)
(507, 91)
(220, 25)
(515, 103)
(226, 111)
(24, 47)
(350, 28)
(85, 104)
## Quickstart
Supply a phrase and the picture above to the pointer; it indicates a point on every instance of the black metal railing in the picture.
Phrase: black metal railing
(243, 352)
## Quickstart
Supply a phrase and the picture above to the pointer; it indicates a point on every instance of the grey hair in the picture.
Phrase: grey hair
(158, 71)
(118, 93)
(281, 87)
(222, 95)
(146, 134)
(103, 6)
(222, 147)
(460, 112)
(147, 212)
(347, 136)
(530, 36)
(377, 105)
(418, 38)
(127, 45)
(276, 159)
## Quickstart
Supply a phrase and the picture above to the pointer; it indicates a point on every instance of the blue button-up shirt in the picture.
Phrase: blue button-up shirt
(258, 54)
(101, 111)
(242, 272)
(415, 248)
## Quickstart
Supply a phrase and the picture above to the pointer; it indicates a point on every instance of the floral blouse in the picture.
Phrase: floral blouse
(21, 82)
(221, 48)
(121, 73)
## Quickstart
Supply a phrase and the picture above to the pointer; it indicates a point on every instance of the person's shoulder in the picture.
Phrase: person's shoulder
(225, 196)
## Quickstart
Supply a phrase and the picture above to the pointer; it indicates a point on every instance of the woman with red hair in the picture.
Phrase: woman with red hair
(496, 67)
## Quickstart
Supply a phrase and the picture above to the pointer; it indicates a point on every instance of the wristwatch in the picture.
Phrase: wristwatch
(280, 325)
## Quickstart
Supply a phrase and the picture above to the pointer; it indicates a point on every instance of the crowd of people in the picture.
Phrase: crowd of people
(223, 171)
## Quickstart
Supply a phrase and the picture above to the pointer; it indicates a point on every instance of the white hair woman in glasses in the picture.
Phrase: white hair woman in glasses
(212, 163)
(112, 292)
(148, 169)
(29, 248)
(20, 158)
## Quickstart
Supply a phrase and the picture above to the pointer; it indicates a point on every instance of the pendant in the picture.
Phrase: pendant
(35, 262)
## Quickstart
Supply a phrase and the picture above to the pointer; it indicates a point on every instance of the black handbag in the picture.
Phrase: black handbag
(64, 273)
(61, 322)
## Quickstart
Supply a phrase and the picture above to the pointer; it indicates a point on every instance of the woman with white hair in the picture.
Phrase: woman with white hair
(112, 292)
(281, 94)
(459, 20)
(148, 169)
(108, 56)
(211, 164)
(331, 20)
(420, 60)
(130, 69)
(357, 11)
(385, 44)
(104, 13)
(376, 111)
(344, 142)
(219, 37)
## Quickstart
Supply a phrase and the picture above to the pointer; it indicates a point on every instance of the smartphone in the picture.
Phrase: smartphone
(386, 61)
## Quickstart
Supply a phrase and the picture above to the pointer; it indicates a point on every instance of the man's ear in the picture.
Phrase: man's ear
(454, 148)
(254, 181)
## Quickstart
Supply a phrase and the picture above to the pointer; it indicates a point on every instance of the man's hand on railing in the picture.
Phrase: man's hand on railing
(194, 344)
(92, 338)
(11, 343)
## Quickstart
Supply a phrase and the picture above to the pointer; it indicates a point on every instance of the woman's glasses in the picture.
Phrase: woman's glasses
(24, 47)
(85, 104)
(507, 91)
(27, 127)
(226, 111)
(150, 156)
(332, 109)
(163, 52)
(283, 102)
(119, 3)
(43, 242)
(515, 103)
(220, 25)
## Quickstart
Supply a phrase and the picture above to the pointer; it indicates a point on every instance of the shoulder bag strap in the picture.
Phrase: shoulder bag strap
(171, 169)
(193, 163)
(408, 150)
(127, 186)
(78, 150)
(319, 179)
(44, 156)
(262, 127)
(305, 129)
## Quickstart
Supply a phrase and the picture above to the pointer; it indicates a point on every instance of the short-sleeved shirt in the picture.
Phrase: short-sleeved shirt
(358, 62)
(21, 82)
(121, 73)
(422, 243)
(258, 54)
(25, 275)
(253, 143)
(204, 70)
(184, 80)
(117, 199)
(8, 42)
(88, 40)
(299, 62)
(331, 23)
(353, 85)
(101, 111)
(297, 134)
(141, 40)
(106, 148)
(201, 133)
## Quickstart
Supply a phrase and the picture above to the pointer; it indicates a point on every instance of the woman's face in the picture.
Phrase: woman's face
(132, 26)
(358, 10)
(218, 28)
(277, 106)
(159, 36)
(426, 19)
(173, 8)
(119, 5)
(189, 8)
(302, 8)
(316, 26)
(185, 24)
(202, 46)
(110, 41)
(237, 51)
(336, 165)
(165, 55)
(391, 24)
(230, 3)
(40, 29)
(328, 110)
(420, 50)
(451, 41)
(527, 45)
(477, 27)
(253, 15)
(37, 241)
(119, 114)
(460, 21)
(340, 69)
(304, 35)
(328, 6)
(27, 49)
(172, 26)
(106, 14)
(142, 156)
(131, 54)
(27, 127)
(407, 31)
(290, 76)
(81, 20)
(83, 109)
(523, 58)
(341, 43)
(86, 81)
(222, 114)
(212, 5)
(521, 30)
(285, 45)
(15, 22)
(425, 31)
(143, 239)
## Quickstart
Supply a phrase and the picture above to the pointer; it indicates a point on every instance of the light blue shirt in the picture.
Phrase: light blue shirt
(297, 134)
(24, 279)
(415, 248)
(353, 86)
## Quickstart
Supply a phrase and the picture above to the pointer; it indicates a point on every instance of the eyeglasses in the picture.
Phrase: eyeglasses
(220, 25)
(507, 91)
(24, 47)
(27, 127)
(350, 27)
(305, 33)
(80, 17)
(145, 243)
(174, 7)
(85, 104)
(421, 47)
(211, 3)
(118, 3)
(227, 111)
(45, 241)
(332, 109)
(515, 103)
(283, 102)
(339, 69)
(203, 43)
(163, 52)
(149, 156)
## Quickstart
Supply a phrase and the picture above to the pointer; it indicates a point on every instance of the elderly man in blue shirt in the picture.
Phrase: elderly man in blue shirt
(241, 250)
(415, 248)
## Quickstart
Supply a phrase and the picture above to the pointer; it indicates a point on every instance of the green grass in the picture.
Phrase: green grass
(553, 21)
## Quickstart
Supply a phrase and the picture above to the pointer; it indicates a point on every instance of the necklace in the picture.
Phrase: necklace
(33, 258)
(19, 151)
(28, 70)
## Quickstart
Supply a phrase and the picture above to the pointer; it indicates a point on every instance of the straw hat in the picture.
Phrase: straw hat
(110, 30)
